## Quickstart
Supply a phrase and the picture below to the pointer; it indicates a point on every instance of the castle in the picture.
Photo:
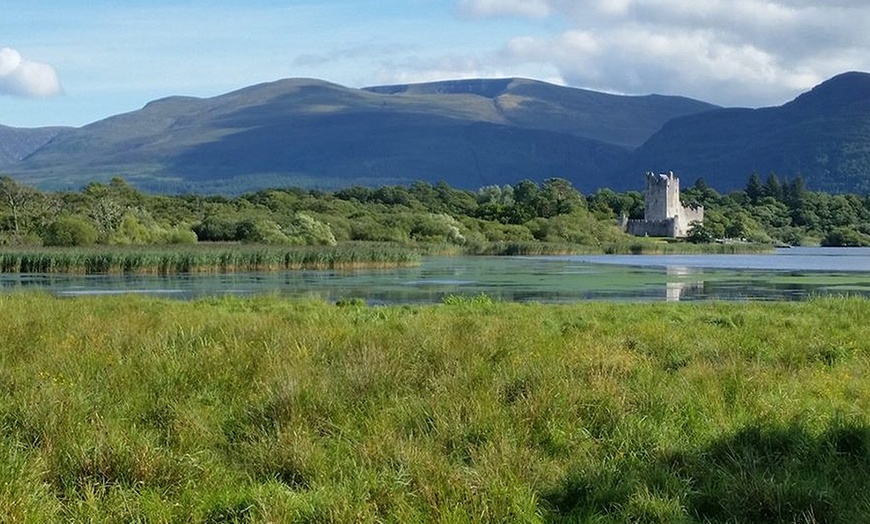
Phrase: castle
(664, 214)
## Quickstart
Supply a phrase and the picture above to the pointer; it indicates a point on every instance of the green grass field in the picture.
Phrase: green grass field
(132, 409)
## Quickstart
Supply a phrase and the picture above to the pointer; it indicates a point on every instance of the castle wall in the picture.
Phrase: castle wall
(689, 215)
(652, 228)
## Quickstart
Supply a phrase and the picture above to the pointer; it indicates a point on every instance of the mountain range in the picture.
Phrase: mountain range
(468, 133)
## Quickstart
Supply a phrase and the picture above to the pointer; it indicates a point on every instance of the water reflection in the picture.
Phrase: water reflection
(680, 283)
(780, 276)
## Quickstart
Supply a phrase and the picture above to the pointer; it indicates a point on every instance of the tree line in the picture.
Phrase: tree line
(116, 213)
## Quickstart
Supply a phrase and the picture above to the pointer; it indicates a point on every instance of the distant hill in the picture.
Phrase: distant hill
(17, 144)
(823, 135)
(311, 133)
(468, 133)
(626, 121)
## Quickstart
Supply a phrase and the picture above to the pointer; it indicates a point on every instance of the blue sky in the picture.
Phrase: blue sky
(72, 63)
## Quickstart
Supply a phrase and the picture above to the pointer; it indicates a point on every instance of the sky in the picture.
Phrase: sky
(73, 63)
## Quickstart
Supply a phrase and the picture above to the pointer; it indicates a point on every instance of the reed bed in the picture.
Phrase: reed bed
(634, 247)
(659, 247)
(135, 409)
(528, 249)
(202, 259)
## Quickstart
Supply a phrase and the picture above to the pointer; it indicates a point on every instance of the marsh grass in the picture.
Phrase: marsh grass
(637, 246)
(133, 409)
(202, 258)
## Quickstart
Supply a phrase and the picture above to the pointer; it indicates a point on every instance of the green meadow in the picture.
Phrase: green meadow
(134, 409)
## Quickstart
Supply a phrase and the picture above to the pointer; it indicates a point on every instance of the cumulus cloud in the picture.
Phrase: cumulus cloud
(416, 69)
(731, 52)
(22, 77)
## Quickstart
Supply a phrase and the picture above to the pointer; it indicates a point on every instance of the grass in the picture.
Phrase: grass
(133, 409)
(202, 258)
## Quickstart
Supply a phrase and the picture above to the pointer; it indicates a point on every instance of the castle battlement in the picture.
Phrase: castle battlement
(664, 214)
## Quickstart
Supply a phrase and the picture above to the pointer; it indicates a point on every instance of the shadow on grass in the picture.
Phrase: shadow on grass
(762, 473)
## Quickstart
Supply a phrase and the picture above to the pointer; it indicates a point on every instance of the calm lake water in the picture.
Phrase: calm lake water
(790, 274)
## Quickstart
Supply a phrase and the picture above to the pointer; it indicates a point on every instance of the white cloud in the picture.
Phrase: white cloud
(731, 52)
(416, 69)
(22, 77)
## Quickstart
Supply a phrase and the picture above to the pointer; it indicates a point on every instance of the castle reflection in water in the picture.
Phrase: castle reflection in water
(680, 284)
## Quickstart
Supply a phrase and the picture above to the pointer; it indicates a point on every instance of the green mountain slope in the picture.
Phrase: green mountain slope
(17, 144)
(315, 134)
(823, 135)
(626, 121)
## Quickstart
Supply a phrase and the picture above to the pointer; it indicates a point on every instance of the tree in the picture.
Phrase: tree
(698, 234)
(754, 189)
(606, 204)
(699, 194)
(19, 198)
(558, 197)
(525, 202)
(795, 191)
(772, 187)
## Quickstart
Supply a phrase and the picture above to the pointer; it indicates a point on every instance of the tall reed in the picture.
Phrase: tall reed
(631, 247)
(222, 258)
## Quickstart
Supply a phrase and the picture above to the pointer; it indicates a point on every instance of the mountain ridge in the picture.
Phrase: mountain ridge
(822, 135)
(470, 133)
(315, 133)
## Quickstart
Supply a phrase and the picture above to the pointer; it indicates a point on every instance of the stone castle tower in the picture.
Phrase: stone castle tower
(664, 214)
(662, 196)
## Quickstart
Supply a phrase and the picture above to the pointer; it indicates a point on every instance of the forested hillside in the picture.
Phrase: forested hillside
(421, 214)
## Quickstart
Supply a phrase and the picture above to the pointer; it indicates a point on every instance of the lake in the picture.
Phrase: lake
(788, 274)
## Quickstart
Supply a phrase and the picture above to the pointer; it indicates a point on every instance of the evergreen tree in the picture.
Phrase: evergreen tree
(754, 189)
(772, 187)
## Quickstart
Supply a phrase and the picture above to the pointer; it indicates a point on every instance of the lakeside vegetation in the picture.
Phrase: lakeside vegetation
(133, 409)
(164, 260)
(228, 258)
(528, 217)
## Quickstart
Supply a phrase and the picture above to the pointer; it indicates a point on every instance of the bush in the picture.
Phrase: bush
(70, 231)
(130, 231)
(307, 230)
(179, 236)
(262, 232)
(845, 237)
(216, 229)
(698, 234)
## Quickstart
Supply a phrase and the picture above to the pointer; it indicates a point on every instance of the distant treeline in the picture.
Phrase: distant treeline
(115, 213)
(768, 210)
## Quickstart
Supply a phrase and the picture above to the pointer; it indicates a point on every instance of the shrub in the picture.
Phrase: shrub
(698, 234)
(179, 236)
(216, 229)
(262, 232)
(307, 230)
(70, 231)
(845, 237)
